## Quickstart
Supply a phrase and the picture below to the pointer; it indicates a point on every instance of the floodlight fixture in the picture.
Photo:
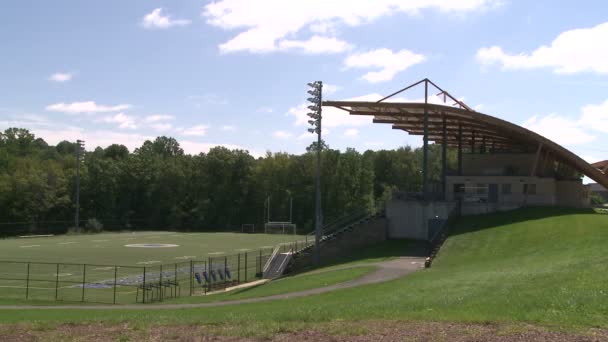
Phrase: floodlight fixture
(313, 115)
(314, 108)
(314, 92)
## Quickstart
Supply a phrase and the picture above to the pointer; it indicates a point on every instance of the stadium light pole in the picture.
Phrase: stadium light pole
(79, 149)
(316, 91)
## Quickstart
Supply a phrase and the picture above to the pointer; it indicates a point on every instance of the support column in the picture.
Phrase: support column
(444, 159)
(536, 160)
(460, 149)
(425, 146)
(473, 142)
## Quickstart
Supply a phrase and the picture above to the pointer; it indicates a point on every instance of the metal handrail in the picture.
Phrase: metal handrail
(274, 253)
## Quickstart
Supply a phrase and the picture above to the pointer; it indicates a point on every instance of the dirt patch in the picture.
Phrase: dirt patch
(334, 331)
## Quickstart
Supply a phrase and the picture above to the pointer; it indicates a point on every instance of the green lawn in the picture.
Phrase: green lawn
(299, 282)
(544, 266)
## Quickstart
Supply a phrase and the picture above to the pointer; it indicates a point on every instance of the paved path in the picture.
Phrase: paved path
(385, 271)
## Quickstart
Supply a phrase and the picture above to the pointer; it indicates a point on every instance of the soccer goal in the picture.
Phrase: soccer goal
(280, 228)
(248, 228)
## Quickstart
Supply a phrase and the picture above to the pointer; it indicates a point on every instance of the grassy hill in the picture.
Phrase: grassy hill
(545, 266)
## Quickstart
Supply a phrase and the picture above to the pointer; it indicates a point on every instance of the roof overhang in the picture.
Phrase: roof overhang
(475, 128)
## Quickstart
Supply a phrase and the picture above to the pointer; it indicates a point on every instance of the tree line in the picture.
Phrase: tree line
(158, 186)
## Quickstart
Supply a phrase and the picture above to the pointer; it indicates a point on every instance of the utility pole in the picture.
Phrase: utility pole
(316, 91)
(79, 150)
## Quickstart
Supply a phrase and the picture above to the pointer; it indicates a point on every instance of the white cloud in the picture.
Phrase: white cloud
(85, 107)
(306, 136)
(315, 45)
(281, 134)
(198, 130)
(192, 147)
(595, 117)
(123, 121)
(155, 20)
(573, 51)
(158, 118)
(329, 89)
(559, 129)
(264, 25)
(228, 128)
(95, 138)
(390, 63)
(351, 132)
(161, 127)
(61, 77)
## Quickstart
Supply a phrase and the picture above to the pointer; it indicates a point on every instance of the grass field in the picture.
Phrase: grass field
(49, 268)
(109, 248)
(540, 266)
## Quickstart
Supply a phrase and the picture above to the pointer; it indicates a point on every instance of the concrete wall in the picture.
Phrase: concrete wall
(572, 194)
(363, 235)
(409, 219)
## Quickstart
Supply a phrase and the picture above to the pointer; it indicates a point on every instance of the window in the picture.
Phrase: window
(481, 188)
(459, 188)
(530, 189)
(506, 189)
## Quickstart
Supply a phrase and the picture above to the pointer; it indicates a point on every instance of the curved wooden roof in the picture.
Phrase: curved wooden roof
(477, 129)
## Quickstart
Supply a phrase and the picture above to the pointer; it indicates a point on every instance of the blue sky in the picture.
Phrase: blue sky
(234, 72)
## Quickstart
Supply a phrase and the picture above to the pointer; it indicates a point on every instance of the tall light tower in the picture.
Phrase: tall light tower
(316, 92)
(79, 150)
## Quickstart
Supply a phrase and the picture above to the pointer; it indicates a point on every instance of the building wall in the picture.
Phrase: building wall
(548, 191)
(572, 194)
(409, 219)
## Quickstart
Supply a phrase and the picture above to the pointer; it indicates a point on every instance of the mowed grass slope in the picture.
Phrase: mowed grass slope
(545, 266)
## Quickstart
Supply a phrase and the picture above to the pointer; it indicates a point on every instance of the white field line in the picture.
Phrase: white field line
(148, 262)
(100, 240)
(216, 253)
(185, 257)
(35, 236)
(66, 243)
(29, 246)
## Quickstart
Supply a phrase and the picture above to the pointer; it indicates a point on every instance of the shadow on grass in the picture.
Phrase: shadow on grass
(473, 223)
(381, 251)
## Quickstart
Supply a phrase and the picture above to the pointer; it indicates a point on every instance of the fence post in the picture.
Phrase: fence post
(115, 274)
(191, 276)
(144, 287)
(27, 282)
(246, 266)
(260, 270)
(225, 268)
(238, 267)
(84, 279)
(175, 281)
(57, 282)
(160, 284)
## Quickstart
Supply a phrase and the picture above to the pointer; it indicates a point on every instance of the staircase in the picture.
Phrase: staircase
(339, 228)
(276, 264)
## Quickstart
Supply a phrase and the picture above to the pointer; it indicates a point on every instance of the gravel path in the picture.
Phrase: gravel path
(386, 270)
